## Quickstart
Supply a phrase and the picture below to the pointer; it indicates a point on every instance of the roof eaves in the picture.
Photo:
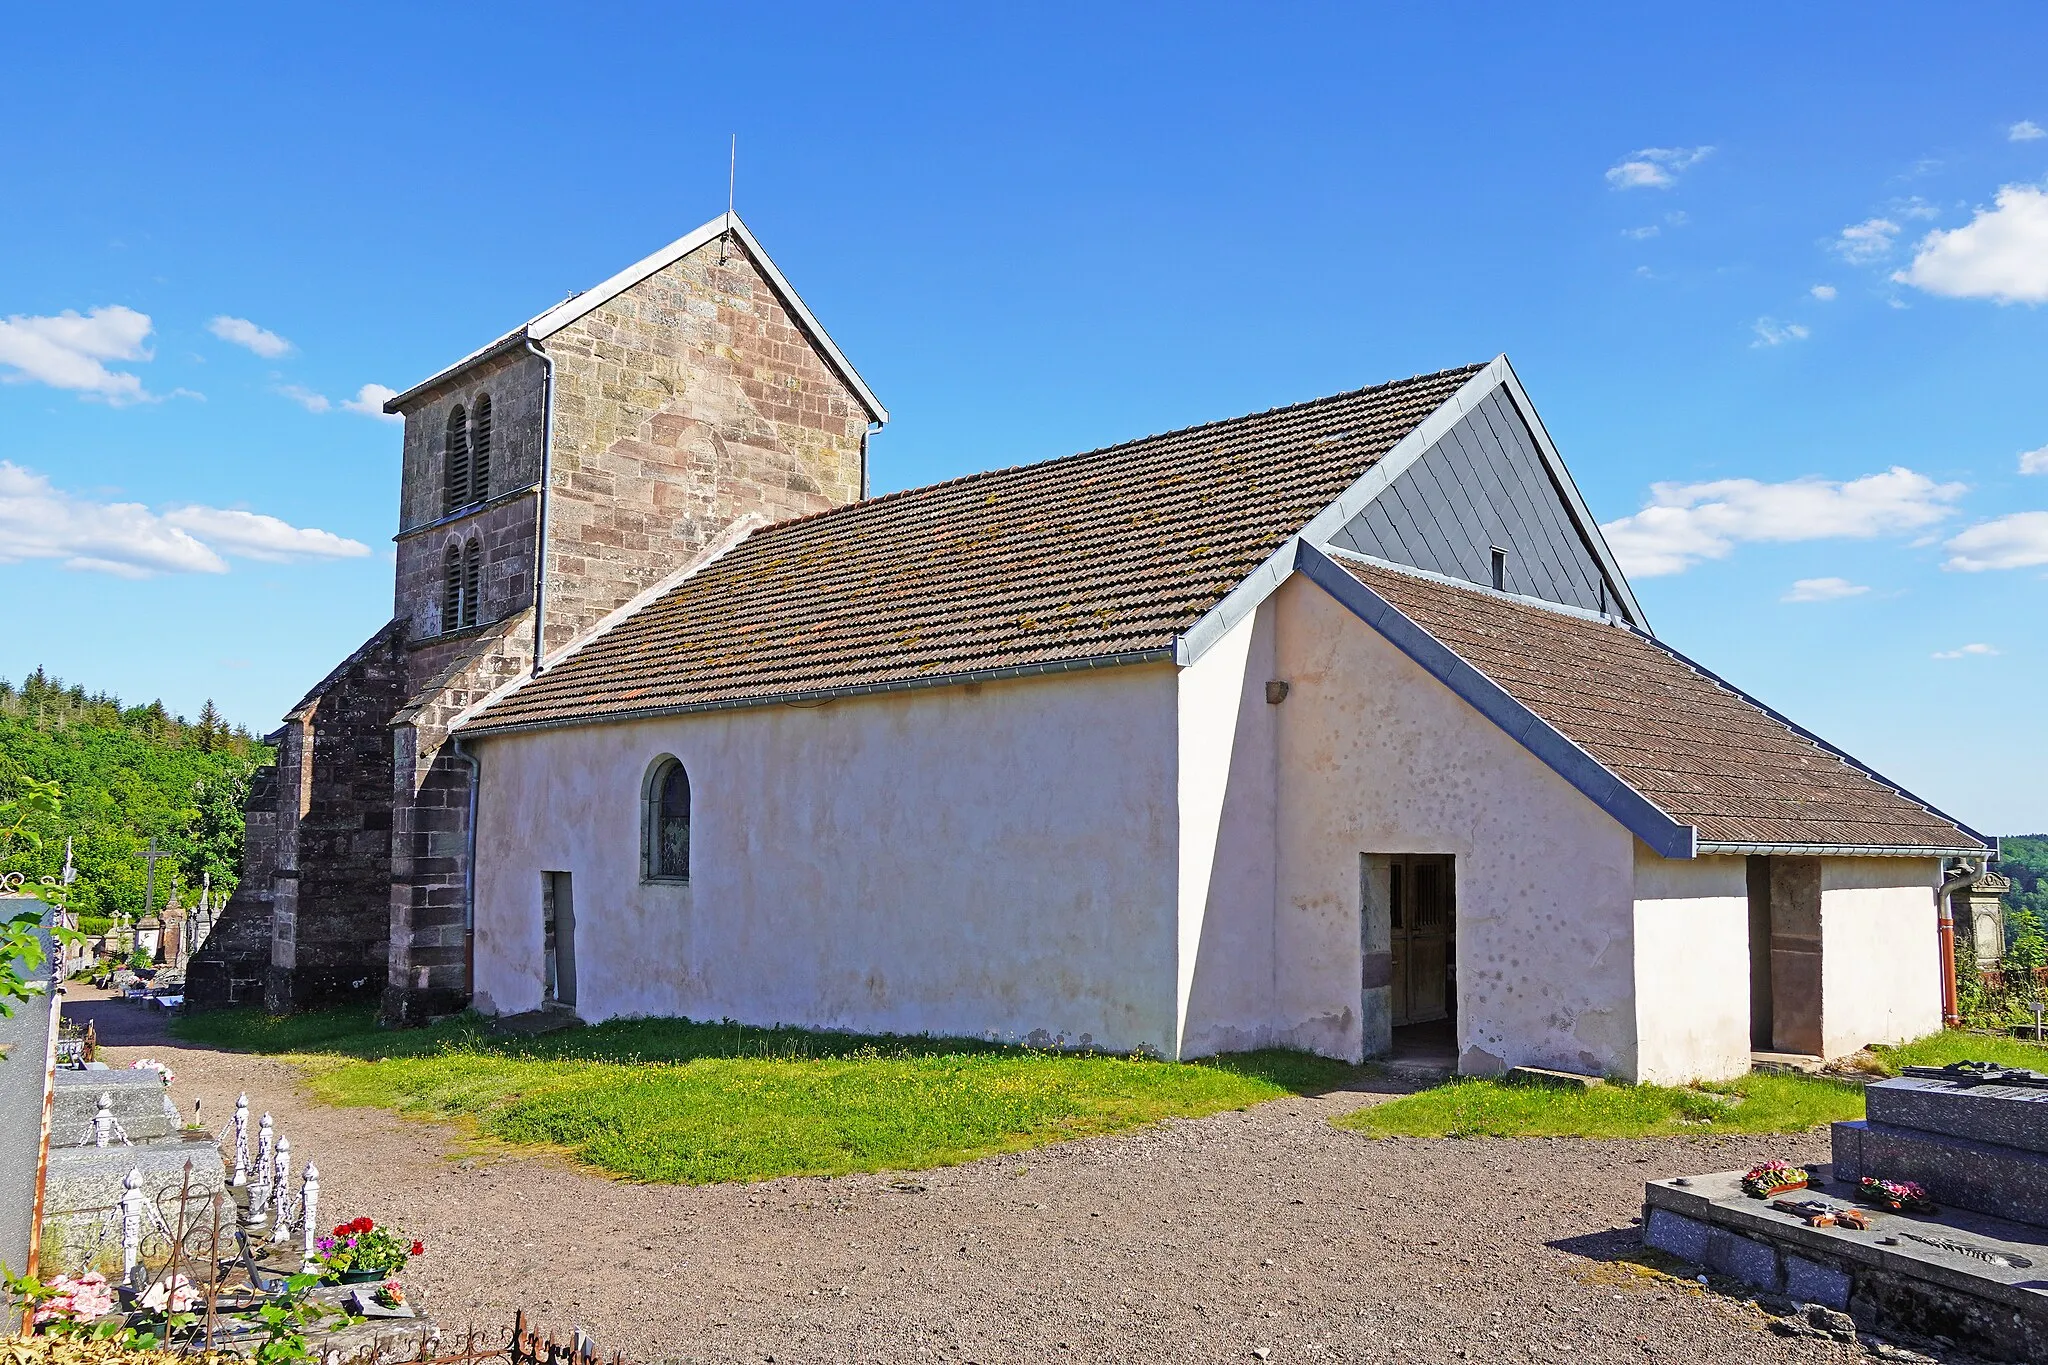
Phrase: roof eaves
(805, 696)
(1840, 850)
(1629, 807)
(511, 341)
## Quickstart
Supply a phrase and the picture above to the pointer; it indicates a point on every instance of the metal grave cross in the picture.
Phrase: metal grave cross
(150, 855)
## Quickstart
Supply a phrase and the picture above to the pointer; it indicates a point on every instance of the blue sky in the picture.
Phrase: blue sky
(1776, 279)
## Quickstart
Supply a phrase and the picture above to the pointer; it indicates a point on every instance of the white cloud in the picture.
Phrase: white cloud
(369, 400)
(1916, 207)
(2016, 541)
(128, 540)
(243, 332)
(1638, 234)
(1824, 292)
(1654, 167)
(1823, 590)
(69, 351)
(1771, 332)
(1686, 523)
(2034, 461)
(251, 535)
(1864, 242)
(2026, 130)
(2000, 254)
(1963, 651)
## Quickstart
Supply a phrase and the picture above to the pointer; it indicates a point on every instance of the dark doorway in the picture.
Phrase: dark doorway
(1422, 919)
(558, 939)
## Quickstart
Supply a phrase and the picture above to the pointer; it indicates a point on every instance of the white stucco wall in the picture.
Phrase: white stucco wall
(1692, 968)
(1376, 756)
(1228, 993)
(1880, 951)
(948, 861)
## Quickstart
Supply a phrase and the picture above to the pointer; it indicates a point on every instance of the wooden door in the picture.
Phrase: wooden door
(1423, 913)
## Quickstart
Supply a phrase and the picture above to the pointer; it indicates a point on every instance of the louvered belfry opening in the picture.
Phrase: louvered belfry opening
(472, 582)
(456, 485)
(451, 589)
(480, 449)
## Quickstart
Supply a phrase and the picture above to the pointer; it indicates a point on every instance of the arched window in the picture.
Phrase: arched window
(666, 823)
(455, 490)
(480, 449)
(451, 588)
(472, 581)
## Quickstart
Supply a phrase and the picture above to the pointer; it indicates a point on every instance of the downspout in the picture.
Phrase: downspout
(476, 780)
(1946, 920)
(540, 537)
(865, 437)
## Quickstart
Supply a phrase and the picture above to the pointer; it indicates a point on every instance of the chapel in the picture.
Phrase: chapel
(1298, 729)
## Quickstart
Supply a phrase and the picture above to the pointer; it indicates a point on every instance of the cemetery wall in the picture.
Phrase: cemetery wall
(1379, 757)
(1880, 951)
(998, 858)
(1692, 968)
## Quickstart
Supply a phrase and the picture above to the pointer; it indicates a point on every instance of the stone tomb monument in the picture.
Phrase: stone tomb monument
(1974, 1270)
(82, 1190)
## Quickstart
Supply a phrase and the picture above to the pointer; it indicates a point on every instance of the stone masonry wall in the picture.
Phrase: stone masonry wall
(508, 535)
(230, 967)
(687, 402)
(515, 383)
(330, 912)
(427, 972)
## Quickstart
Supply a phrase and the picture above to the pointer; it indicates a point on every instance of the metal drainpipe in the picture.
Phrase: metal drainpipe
(540, 537)
(873, 427)
(1946, 930)
(476, 780)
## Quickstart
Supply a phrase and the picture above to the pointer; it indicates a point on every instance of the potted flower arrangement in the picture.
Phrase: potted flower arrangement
(360, 1251)
(1900, 1196)
(1773, 1177)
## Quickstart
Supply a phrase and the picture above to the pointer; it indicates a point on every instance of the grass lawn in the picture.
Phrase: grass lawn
(670, 1101)
(1954, 1045)
(1756, 1103)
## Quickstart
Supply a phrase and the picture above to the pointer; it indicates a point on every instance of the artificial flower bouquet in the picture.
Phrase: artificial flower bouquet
(360, 1250)
(163, 1073)
(1773, 1177)
(1900, 1196)
(390, 1294)
(76, 1300)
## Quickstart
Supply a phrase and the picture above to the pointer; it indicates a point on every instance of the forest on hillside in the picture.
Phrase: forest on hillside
(125, 774)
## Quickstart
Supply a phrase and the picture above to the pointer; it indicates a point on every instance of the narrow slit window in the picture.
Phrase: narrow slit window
(1500, 569)
(480, 449)
(451, 588)
(455, 462)
(472, 582)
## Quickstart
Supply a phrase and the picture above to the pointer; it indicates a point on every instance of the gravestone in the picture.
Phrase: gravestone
(1975, 1138)
(1977, 1144)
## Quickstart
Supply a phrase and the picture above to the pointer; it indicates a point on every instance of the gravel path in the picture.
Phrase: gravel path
(1266, 1235)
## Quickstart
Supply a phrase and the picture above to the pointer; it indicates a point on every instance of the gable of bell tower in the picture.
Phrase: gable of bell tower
(630, 427)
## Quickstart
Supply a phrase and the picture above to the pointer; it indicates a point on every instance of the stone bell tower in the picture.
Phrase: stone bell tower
(548, 479)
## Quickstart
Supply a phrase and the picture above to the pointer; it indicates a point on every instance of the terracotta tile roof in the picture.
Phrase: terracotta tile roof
(1705, 754)
(1112, 552)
